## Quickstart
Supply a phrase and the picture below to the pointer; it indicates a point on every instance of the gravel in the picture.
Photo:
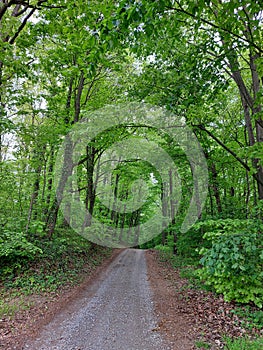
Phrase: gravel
(116, 312)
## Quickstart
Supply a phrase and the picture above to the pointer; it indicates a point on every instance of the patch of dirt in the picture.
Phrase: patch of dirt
(42, 308)
(172, 321)
(187, 315)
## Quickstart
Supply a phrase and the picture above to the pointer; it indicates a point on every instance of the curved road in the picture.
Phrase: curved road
(115, 313)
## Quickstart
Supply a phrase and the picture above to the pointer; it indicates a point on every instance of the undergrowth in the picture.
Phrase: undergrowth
(187, 262)
(63, 261)
(243, 344)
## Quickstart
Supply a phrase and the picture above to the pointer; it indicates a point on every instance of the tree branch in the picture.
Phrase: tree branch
(22, 25)
(211, 24)
(4, 8)
(255, 176)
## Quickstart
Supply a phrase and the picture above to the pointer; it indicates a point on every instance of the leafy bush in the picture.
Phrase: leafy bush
(234, 263)
(62, 262)
(164, 248)
(15, 245)
(188, 243)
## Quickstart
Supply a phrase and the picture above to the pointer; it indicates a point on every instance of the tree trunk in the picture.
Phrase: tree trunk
(49, 183)
(114, 208)
(211, 201)
(67, 167)
(259, 135)
(216, 188)
(164, 211)
(90, 194)
(67, 211)
(123, 217)
(172, 205)
(250, 105)
(1, 113)
(66, 171)
(34, 197)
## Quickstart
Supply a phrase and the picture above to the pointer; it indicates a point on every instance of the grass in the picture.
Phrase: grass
(9, 307)
(243, 344)
(200, 344)
(251, 316)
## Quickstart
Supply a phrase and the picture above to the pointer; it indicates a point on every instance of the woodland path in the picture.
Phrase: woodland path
(115, 312)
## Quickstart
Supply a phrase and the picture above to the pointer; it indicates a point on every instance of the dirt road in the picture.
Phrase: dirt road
(115, 313)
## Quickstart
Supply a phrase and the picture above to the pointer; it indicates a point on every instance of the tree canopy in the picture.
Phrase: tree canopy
(63, 61)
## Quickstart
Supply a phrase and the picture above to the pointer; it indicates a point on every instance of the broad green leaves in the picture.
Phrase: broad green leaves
(233, 264)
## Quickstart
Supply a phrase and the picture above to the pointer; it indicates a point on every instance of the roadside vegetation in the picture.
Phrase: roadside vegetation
(44, 267)
(222, 257)
(198, 62)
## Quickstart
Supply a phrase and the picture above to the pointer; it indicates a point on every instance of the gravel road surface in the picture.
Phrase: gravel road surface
(115, 313)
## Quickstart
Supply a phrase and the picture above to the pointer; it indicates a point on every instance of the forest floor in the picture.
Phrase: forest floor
(190, 317)
(185, 317)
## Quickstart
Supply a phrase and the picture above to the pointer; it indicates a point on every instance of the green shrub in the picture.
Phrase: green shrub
(168, 247)
(164, 248)
(188, 243)
(14, 245)
(62, 262)
(234, 263)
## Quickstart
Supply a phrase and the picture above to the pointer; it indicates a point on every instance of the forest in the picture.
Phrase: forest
(132, 123)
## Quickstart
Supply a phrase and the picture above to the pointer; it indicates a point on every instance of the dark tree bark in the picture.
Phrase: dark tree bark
(38, 158)
(114, 209)
(91, 191)
(49, 183)
(67, 167)
(172, 207)
(66, 172)
(251, 106)
(67, 211)
(34, 196)
(216, 187)
(164, 211)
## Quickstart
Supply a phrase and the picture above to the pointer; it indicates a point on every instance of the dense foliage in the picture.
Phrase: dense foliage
(202, 61)
(234, 263)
